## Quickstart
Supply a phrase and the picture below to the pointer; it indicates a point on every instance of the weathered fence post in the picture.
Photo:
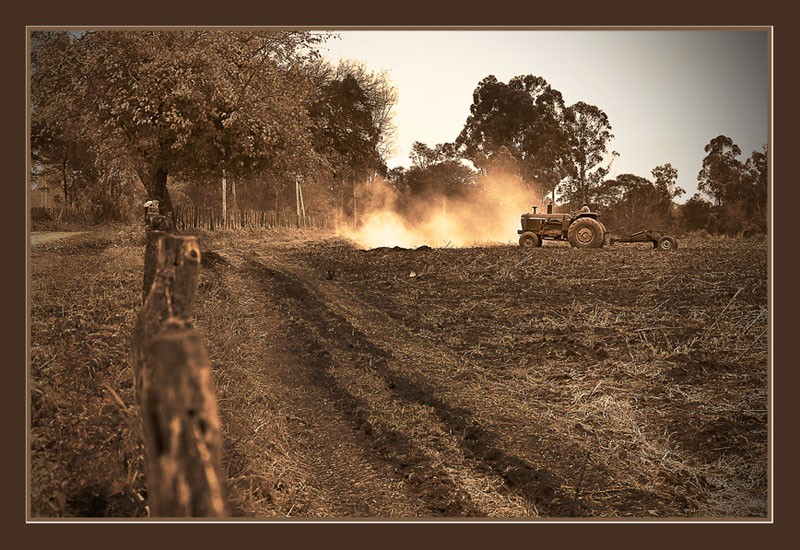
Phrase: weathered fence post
(151, 259)
(157, 226)
(174, 390)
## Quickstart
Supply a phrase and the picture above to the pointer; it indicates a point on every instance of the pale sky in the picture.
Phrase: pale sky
(667, 93)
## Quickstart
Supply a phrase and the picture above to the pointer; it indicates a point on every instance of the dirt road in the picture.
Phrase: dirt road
(365, 443)
(40, 237)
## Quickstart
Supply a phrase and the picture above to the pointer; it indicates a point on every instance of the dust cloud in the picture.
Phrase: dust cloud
(486, 213)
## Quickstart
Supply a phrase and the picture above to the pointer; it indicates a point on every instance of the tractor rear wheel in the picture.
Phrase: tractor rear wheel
(667, 243)
(586, 233)
(529, 239)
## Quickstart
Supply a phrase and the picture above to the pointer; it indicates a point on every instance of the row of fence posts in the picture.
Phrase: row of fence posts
(189, 217)
(175, 397)
(212, 219)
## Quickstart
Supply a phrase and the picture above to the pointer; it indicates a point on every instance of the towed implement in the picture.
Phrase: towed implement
(660, 240)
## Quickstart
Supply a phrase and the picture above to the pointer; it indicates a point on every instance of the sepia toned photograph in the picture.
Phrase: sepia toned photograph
(423, 274)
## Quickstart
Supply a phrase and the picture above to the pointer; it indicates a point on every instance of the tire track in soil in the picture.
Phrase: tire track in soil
(539, 487)
(387, 446)
(338, 478)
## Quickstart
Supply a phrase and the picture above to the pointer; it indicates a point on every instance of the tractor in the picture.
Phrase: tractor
(582, 229)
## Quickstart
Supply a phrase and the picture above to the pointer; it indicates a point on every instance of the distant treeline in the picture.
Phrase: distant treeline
(244, 119)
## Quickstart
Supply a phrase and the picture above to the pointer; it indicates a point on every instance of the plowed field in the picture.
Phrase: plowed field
(453, 383)
(493, 382)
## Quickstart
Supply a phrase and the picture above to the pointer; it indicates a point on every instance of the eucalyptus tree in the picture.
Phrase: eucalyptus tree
(738, 190)
(588, 132)
(755, 187)
(722, 171)
(523, 118)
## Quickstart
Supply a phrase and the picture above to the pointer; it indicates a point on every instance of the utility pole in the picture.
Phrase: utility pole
(224, 198)
(301, 205)
(297, 199)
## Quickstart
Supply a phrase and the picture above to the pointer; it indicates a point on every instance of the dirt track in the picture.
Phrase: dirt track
(330, 379)
(442, 383)
(40, 237)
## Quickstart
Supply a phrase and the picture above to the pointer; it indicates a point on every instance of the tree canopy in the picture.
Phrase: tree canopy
(554, 146)
(588, 132)
(524, 118)
(193, 103)
(265, 110)
(738, 190)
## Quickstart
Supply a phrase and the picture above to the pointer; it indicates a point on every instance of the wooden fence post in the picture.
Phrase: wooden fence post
(174, 391)
(151, 260)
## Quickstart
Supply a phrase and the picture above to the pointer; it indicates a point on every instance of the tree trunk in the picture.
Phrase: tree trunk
(64, 179)
(297, 200)
(302, 204)
(584, 191)
(155, 183)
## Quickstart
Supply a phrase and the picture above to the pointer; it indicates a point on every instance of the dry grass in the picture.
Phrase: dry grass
(263, 479)
(85, 455)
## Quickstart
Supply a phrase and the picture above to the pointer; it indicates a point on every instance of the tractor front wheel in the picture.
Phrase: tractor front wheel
(586, 233)
(529, 240)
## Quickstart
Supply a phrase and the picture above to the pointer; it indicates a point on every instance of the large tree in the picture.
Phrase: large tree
(738, 190)
(722, 171)
(179, 102)
(755, 184)
(524, 118)
(381, 98)
(588, 132)
(344, 132)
